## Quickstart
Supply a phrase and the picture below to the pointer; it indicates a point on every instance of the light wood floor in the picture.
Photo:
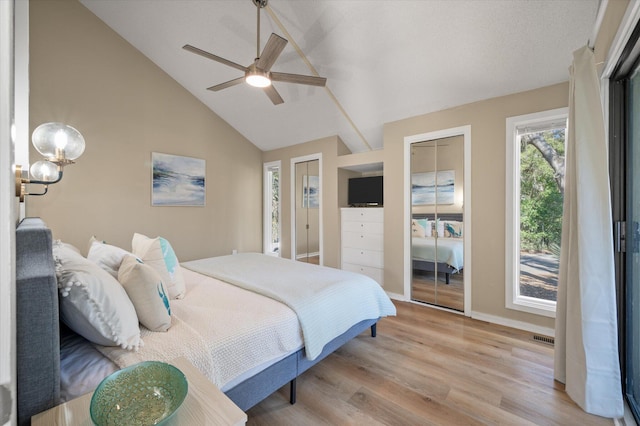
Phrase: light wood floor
(311, 259)
(423, 289)
(430, 367)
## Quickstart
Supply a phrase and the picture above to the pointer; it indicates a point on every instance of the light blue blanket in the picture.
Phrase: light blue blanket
(328, 301)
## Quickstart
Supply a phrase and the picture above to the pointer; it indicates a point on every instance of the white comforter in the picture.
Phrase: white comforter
(449, 250)
(328, 301)
(225, 331)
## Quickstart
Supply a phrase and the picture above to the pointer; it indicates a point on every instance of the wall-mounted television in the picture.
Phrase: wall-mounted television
(366, 191)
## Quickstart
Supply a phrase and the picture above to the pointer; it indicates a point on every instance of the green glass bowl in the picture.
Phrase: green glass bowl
(147, 393)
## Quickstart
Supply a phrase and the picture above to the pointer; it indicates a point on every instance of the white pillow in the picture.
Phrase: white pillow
(158, 253)
(145, 289)
(69, 246)
(106, 256)
(93, 303)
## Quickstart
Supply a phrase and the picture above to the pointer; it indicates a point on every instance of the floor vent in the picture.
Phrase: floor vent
(544, 339)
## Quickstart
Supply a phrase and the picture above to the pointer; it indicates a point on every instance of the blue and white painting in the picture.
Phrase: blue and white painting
(177, 180)
(310, 192)
(433, 187)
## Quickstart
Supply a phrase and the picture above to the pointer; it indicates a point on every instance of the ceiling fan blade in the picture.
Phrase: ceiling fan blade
(214, 57)
(298, 79)
(273, 94)
(271, 51)
(229, 83)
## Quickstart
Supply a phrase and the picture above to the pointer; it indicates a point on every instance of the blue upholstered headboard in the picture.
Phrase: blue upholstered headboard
(37, 326)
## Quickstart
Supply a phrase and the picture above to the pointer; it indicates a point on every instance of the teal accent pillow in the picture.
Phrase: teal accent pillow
(158, 253)
(170, 258)
(146, 291)
(453, 229)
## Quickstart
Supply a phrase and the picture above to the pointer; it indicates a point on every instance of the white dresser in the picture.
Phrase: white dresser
(362, 241)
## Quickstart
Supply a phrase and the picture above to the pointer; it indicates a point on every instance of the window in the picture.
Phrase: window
(535, 186)
(271, 209)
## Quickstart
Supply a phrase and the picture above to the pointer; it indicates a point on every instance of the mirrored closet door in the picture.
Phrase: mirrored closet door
(437, 222)
(307, 217)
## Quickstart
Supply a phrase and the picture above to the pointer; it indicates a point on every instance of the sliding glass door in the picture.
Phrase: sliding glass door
(624, 154)
(632, 255)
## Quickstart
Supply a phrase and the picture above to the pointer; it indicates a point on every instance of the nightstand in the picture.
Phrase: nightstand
(205, 404)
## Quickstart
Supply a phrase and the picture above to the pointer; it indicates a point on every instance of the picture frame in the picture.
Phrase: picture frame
(177, 180)
(430, 188)
(310, 192)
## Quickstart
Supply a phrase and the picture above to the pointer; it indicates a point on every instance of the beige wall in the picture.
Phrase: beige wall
(613, 16)
(84, 74)
(487, 121)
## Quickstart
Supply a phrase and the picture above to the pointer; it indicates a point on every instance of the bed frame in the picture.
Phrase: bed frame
(38, 334)
(426, 266)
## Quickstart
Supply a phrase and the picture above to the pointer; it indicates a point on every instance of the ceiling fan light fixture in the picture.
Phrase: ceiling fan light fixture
(257, 78)
(259, 74)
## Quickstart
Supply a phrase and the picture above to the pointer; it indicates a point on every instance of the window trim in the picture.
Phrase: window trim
(266, 209)
(513, 299)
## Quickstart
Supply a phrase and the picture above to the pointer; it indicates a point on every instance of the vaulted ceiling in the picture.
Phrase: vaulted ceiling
(384, 60)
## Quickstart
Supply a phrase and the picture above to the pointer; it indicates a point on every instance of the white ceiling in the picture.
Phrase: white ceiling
(384, 60)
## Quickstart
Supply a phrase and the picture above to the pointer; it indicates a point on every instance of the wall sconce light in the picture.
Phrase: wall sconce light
(60, 144)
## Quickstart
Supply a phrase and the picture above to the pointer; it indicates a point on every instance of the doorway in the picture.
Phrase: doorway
(306, 209)
(437, 222)
(438, 225)
(272, 209)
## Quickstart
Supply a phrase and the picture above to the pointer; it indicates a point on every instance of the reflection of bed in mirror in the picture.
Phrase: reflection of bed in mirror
(446, 251)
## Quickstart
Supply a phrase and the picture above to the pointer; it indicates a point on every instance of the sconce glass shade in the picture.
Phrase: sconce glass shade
(58, 141)
(44, 171)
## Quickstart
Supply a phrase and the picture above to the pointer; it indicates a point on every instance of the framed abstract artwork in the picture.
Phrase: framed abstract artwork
(310, 192)
(177, 180)
(433, 187)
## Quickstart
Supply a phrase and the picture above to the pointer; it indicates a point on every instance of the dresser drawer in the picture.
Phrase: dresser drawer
(363, 240)
(375, 273)
(367, 227)
(363, 215)
(362, 257)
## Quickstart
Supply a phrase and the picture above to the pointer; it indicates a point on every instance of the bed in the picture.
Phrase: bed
(43, 373)
(448, 258)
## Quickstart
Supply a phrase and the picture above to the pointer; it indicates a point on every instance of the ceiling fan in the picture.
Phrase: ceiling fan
(258, 74)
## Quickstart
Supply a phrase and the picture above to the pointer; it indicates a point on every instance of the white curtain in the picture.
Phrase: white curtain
(586, 345)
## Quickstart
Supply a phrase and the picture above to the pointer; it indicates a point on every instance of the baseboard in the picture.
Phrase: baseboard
(396, 296)
(520, 325)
